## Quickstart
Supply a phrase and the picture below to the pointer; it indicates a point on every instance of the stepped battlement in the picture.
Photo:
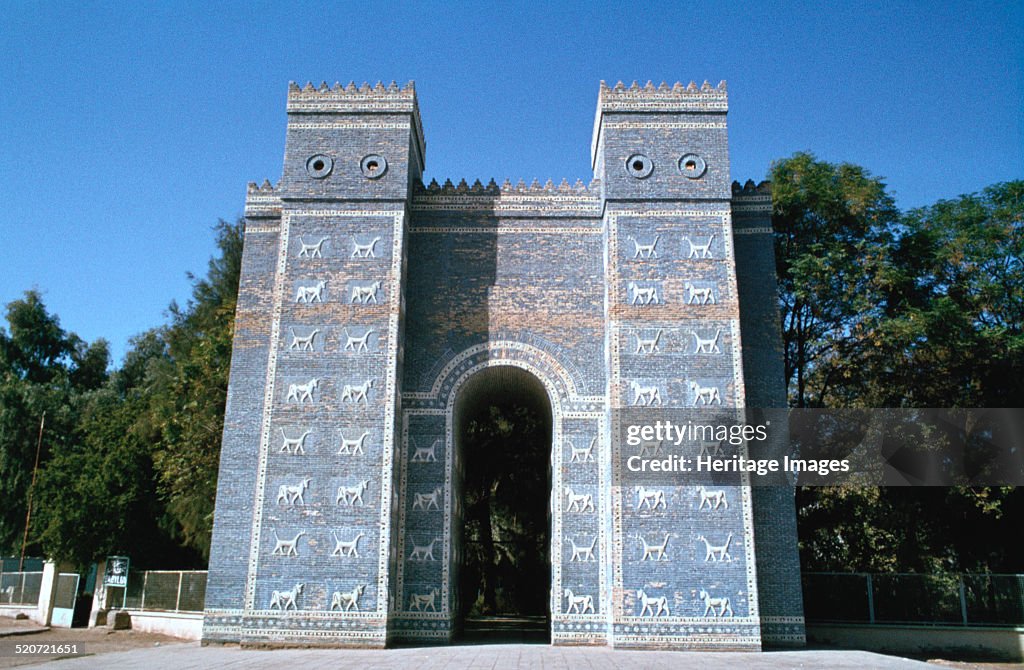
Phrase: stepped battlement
(508, 188)
(749, 188)
(663, 98)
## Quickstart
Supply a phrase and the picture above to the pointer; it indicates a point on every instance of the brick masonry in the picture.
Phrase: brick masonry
(373, 308)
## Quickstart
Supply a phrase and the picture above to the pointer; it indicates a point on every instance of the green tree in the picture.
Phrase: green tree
(888, 310)
(954, 324)
(43, 370)
(833, 229)
(188, 391)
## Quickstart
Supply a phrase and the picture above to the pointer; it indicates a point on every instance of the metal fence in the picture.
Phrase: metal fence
(20, 588)
(166, 590)
(909, 598)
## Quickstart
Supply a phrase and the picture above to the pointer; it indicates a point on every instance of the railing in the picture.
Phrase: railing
(916, 599)
(20, 588)
(165, 590)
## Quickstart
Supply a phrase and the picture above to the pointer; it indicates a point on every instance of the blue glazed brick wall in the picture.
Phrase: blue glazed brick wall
(482, 288)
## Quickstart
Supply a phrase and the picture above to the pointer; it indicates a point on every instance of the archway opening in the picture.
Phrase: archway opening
(503, 432)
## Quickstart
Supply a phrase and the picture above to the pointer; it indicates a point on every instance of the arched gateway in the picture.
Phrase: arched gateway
(376, 313)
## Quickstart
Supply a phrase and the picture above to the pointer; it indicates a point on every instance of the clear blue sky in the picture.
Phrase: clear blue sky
(125, 134)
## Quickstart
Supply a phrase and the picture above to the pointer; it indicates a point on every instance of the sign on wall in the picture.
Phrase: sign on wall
(116, 572)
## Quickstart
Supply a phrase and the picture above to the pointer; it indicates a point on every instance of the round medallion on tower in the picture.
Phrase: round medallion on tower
(319, 166)
(692, 166)
(373, 166)
(639, 166)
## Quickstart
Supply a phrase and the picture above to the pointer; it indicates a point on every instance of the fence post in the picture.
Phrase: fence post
(177, 603)
(963, 598)
(145, 579)
(871, 599)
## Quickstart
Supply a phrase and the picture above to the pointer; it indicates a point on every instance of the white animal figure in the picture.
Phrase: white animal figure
(365, 294)
(647, 345)
(353, 394)
(357, 344)
(286, 547)
(649, 448)
(713, 499)
(643, 295)
(425, 454)
(353, 446)
(311, 250)
(347, 547)
(421, 602)
(645, 395)
(582, 553)
(582, 454)
(289, 444)
(308, 294)
(711, 603)
(282, 600)
(703, 249)
(578, 604)
(583, 502)
(710, 449)
(709, 345)
(705, 395)
(304, 343)
(716, 552)
(702, 296)
(302, 392)
(347, 601)
(292, 494)
(652, 498)
(350, 495)
(364, 250)
(645, 250)
(424, 501)
(423, 552)
(654, 606)
(654, 552)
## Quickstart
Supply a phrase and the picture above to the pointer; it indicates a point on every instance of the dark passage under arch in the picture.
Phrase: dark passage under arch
(503, 433)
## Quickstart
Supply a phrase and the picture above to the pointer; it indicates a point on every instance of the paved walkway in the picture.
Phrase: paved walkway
(188, 656)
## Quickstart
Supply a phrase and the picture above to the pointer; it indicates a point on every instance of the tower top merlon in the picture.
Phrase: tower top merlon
(661, 98)
(353, 99)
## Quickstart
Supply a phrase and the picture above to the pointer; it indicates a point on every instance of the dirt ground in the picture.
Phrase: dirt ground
(961, 665)
(93, 641)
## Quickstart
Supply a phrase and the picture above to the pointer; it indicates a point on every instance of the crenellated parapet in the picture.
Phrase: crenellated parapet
(262, 200)
(663, 98)
(507, 187)
(749, 188)
(547, 199)
(752, 200)
(352, 98)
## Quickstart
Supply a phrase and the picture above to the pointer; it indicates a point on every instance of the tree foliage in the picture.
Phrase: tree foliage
(833, 227)
(880, 309)
(43, 371)
(189, 392)
(129, 461)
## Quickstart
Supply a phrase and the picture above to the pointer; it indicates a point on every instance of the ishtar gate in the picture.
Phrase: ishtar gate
(376, 316)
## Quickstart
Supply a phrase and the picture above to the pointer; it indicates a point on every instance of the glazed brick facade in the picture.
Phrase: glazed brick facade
(373, 309)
